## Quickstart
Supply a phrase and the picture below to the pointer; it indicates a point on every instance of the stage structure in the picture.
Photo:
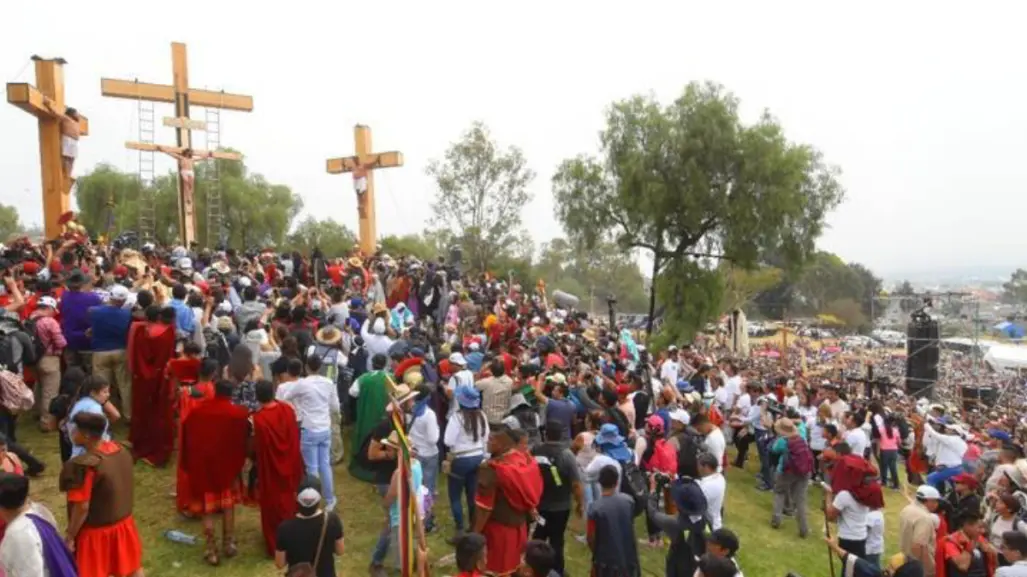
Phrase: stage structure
(182, 96)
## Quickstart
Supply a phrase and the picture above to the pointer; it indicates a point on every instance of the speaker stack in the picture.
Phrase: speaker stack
(922, 356)
(973, 397)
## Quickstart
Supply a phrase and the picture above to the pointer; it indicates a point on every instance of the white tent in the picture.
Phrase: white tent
(1006, 358)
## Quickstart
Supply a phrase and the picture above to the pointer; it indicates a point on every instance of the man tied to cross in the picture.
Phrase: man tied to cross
(70, 133)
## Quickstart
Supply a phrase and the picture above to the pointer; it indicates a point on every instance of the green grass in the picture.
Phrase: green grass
(764, 551)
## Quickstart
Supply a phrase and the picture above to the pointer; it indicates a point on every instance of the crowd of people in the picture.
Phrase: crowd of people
(273, 374)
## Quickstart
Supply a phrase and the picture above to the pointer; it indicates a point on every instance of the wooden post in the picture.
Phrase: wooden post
(41, 101)
(179, 94)
(362, 165)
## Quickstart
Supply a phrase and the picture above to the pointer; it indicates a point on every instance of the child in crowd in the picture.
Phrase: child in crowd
(875, 537)
(724, 543)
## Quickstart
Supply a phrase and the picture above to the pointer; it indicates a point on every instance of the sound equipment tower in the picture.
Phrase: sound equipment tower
(922, 354)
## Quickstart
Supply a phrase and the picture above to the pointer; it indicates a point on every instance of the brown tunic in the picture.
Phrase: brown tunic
(502, 512)
(111, 498)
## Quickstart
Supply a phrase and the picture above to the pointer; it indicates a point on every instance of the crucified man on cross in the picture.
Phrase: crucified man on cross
(186, 160)
(70, 134)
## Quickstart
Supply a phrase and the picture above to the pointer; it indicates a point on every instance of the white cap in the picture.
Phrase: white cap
(244, 281)
(47, 302)
(378, 327)
(681, 416)
(185, 263)
(119, 293)
(458, 359)
(927, 492)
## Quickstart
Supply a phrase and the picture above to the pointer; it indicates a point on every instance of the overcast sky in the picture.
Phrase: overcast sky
(920, 103)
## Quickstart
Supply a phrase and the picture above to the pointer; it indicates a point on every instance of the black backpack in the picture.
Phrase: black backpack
(554, 486)
(34, 354)
(217, 346)
(634, 484)
(689, 448)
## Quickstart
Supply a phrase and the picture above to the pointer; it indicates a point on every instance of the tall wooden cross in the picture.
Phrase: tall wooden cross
(44, 101)
(362, 165)
(179, 94)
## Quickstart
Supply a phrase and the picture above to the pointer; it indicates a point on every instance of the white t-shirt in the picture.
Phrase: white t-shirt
(21, 552)
(669, 372)
(734, 386)
(461, 378)
(461, 442)
(597, 464)
(1018, 569)
(1000, 526)
(852, 517)
(857, 439)
(716, 444)
(315, 399)
(722, 396)
(714, 487)
(743, 402)
(875, 533)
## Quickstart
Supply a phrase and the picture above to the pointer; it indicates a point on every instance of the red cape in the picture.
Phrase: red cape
(150, 347)
(520, 480)
(214, 440)
(276, 439)
(186, 404)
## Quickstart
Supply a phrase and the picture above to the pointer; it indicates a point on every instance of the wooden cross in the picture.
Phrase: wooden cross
(179, 94)
(44, 101)
(362, 165)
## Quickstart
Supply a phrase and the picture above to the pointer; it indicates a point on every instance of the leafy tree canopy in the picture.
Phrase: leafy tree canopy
(689, 181)
(482, 189)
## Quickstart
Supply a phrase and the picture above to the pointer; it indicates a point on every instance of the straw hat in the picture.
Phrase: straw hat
(328, 335)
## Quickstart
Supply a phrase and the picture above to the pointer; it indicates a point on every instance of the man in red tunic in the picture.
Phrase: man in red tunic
(151, 345)
(214, 438)
(509, 489)
(190, 397)
(101, 530)
(276, 445)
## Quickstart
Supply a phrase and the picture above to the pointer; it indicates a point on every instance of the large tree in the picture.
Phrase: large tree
(482, 189)
(1015, 290)
(690, 182)
(254, 212)
(592, 275)
(332, 237)
(9, 222)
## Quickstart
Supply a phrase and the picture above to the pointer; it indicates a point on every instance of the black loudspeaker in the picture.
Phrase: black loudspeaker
(922, 356)
(456, 254)
(973, 397)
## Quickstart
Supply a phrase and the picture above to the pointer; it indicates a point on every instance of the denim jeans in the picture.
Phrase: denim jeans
(890, 468)
(430, 470)
(763, 448)
(937, 478)
(381, 548)
(463, 478)
(316, 447)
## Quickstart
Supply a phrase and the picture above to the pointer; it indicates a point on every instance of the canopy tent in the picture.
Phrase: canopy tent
(1006, 358)
(1011, 330)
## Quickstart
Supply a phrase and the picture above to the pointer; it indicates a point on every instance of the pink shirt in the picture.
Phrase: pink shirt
(887, 443)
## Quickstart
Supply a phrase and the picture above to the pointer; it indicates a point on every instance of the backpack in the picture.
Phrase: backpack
(800, 457)
(553, 484)
(32, 355)
(634, 484)
(15, 395)
(217, 346)
(689, 448)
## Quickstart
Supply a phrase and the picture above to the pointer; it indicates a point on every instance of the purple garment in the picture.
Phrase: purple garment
(56, 556)
(74, 310)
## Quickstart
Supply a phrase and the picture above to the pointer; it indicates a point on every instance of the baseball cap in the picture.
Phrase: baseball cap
(965, 479)
(47, 301)
(681, 416)
(119, 292)
(927, 493)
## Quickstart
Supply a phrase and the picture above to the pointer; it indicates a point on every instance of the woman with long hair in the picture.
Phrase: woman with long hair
(467, 434)
(243, 373)
(888, 441)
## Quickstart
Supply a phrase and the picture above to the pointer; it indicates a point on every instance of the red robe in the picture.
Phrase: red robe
(150, 347)
(276, 439)
(517, 477)
(186, 403)
(214, 440)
